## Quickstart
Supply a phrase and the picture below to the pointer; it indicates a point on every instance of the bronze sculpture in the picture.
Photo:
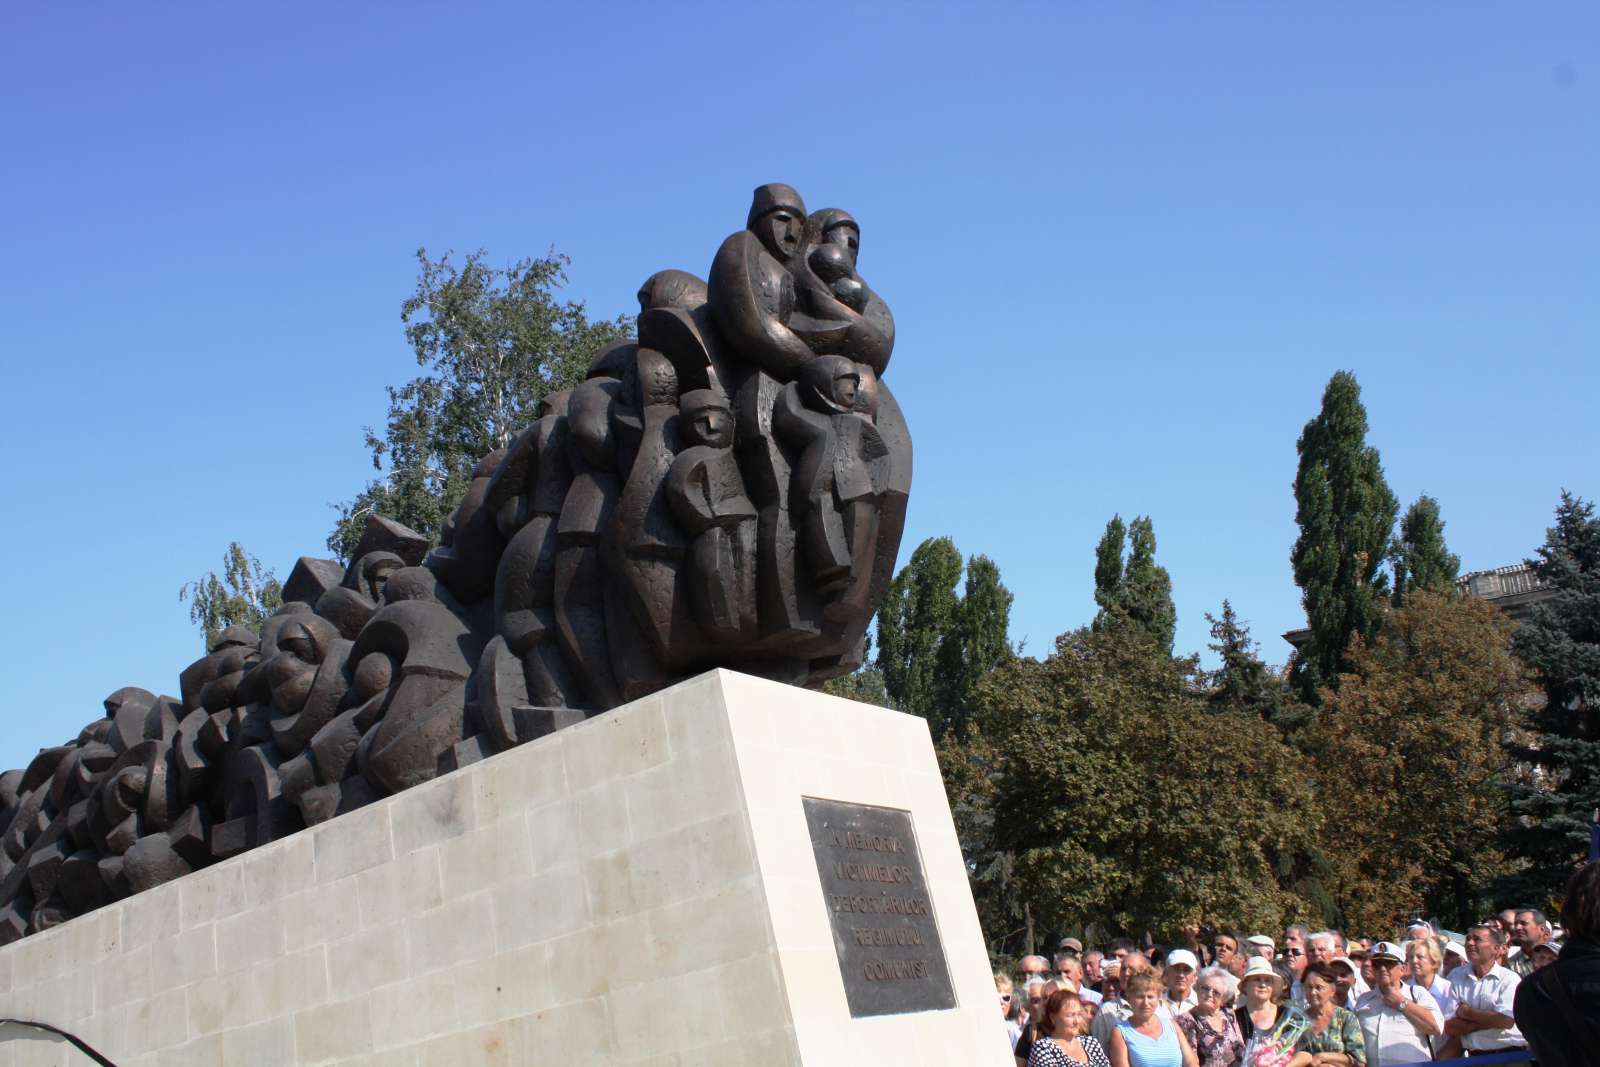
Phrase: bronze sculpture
(728, 490)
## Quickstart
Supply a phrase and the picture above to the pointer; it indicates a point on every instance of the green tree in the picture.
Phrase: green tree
(243, 595)
(1346, 515)
(1134, 588)
(493, 343)
(1412, 747)
(1421, 560)
(933, 647)
(1561, 645)
(1115, 798)
(1244, 682)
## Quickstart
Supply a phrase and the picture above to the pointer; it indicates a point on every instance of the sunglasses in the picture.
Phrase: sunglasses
(1295, 952)
(1005, 998)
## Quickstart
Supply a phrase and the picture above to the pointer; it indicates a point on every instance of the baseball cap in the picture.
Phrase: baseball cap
(1182, 956)
(1387, 950)
(1350, 964)
(1456, 947)
(1070, 944)
(1260, 940)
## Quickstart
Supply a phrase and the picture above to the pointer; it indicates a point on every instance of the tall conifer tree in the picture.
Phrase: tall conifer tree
(934, 647)
(1421, 560)
(1561, 643)
(1346, 515)
(1134, 589)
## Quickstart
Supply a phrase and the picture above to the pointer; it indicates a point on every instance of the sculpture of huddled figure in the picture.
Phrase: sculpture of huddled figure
(727, 490)
(708, 498)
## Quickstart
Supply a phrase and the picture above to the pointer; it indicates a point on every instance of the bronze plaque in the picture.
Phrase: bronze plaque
(884, 929)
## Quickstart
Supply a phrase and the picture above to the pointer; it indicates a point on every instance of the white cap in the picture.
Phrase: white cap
(1456, 947)
(1182, 956)
(1261, 940)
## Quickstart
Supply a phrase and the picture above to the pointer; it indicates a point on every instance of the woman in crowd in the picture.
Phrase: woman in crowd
(1065, 1042)
(1146, 1039)
(1036, 994)
(1009, 1008)
(1211, 1026)
(1264, 991)
(1334, 1037)
(1424, 958)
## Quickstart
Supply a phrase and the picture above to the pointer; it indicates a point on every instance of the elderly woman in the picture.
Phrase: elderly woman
(1264, 989)
(1065, 1042)
(1010, 1009)
(1426, 962)
(1211, 1026)
(1334, 1037)
(1145, 1039)
(1036, 994)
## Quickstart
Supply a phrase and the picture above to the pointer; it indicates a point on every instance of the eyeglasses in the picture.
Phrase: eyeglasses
(1207, 991)
(1294, 952)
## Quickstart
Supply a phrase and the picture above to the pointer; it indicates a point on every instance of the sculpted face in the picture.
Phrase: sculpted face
(846, 236)
(845, 387)
(779, 231)
(714, 427)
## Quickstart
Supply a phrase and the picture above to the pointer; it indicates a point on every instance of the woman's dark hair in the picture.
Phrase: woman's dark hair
(1323, 971)
(1052, 1008)
(1580, 910)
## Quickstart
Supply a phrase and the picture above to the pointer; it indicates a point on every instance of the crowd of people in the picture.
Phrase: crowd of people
(1513, 983)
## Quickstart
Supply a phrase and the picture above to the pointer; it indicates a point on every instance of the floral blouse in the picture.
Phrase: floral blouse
(1212, 1047)
(1342, 1035)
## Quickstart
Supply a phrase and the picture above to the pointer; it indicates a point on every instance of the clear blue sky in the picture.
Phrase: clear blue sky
(1126, 245)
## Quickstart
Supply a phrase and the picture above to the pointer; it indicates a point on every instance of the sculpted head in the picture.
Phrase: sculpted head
(707, 417)
(836, 226)
(778, 219)
(829, 384)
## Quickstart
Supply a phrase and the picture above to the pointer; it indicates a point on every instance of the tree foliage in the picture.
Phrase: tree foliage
(492, 343)
(1346, 515)
(1421, 560)
(1133, 588)
(933, 647)
(1115, 796)
(1561, 645)
(1412, 756)
(1244, 682)
(243, 595)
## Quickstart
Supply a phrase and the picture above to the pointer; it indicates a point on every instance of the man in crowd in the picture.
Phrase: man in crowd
(1034, 967)
(1529, 929)
(1225, 952)
(1178, 978)
(1484, 991)
(1260, 945)
(1115, 1010)
(1091, 969)
(1294, 953)
(1558, 1008)
(1398, 1018)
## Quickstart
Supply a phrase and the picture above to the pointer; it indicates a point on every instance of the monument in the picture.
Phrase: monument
(726, 491)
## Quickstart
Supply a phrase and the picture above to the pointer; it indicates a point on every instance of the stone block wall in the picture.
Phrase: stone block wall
(602, 895)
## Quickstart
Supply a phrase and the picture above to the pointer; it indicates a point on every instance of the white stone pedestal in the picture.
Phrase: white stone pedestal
(639, 889)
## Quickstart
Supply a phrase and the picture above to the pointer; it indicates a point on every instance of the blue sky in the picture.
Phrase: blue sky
(1126, 245)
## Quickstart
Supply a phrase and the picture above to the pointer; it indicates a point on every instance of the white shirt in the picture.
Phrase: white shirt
(1113, 1010)
(1493, 992)
(1390, 1036)
(1170, 1009)
(1446, 996)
